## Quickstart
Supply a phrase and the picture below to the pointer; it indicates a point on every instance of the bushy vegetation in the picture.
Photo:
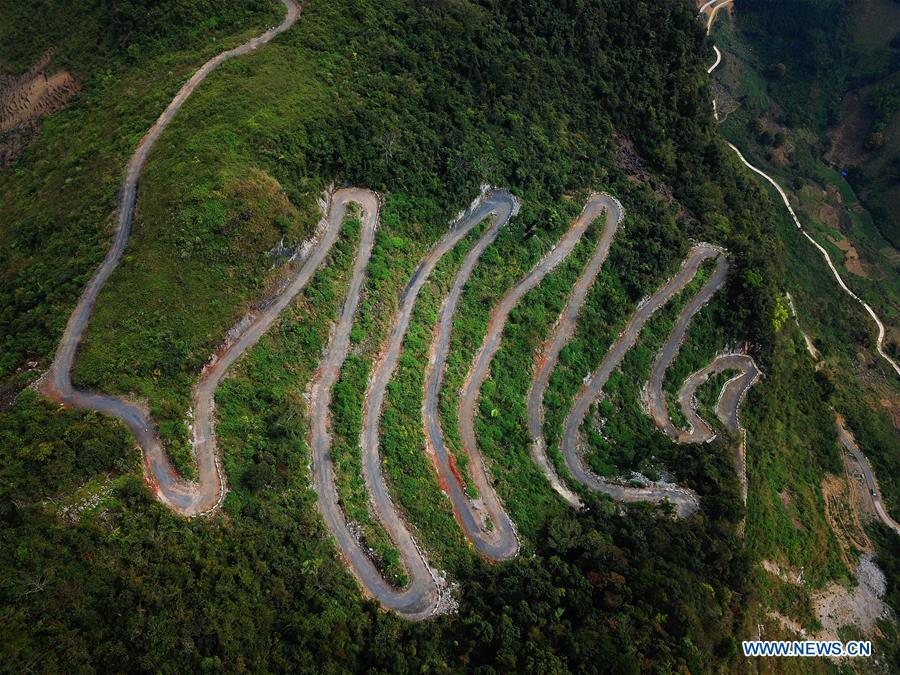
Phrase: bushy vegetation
(100, 37)
(851, 377)
(422, 102)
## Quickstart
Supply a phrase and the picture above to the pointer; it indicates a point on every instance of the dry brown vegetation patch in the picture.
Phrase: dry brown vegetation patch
(843, 517)
(27, 98)
(851, 256)
(892, 406)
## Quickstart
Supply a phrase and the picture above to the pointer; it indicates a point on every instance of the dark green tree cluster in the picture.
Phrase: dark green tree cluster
(427, 99)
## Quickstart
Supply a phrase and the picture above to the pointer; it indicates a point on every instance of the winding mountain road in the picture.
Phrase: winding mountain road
(844, 436)
(423, 595)
(499, 542)
(562, 334)
(419, 599)
(847, 440)
(879, 341)
(207, 493)
(684, 500)
(731, 395)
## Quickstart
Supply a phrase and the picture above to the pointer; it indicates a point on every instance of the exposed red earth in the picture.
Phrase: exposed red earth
(186, 498)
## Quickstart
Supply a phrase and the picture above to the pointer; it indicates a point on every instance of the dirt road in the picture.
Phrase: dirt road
(419, 599)
(847, 440)
(685, 501)
(184, 497)
(499, 541)
(732, 393)
(423, 596)
(562, 333)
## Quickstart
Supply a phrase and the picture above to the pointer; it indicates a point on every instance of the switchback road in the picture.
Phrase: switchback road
(685, 501)
(731, 395)
(422, 597)
(207, 493)
(562, 334)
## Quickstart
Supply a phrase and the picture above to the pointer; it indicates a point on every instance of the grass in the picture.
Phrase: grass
(707, 399)
(509, 259)
(787, 456)
(59, 199)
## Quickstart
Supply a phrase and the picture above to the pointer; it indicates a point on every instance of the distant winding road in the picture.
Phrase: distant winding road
(207, 493)
(710, 9)
(846, 439)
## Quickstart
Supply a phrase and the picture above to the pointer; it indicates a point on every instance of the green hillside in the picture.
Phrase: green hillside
(423, 103)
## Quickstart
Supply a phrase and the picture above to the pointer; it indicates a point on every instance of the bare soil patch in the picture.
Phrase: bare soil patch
(830, 215)
(784, 572)
(27, 98)
(837, 606)
(851, 256)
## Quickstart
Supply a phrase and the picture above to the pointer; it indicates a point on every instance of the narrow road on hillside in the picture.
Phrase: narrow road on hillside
(423, 595)
(684, 500)
(186, 498)
(847, 440)
(499, 541)
(711, 8)
(879, 342)
(655, 398)
(562, 334)
(731, 395)
(844, 436)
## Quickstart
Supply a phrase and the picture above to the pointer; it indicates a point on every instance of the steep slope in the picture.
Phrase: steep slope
(421, 105)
